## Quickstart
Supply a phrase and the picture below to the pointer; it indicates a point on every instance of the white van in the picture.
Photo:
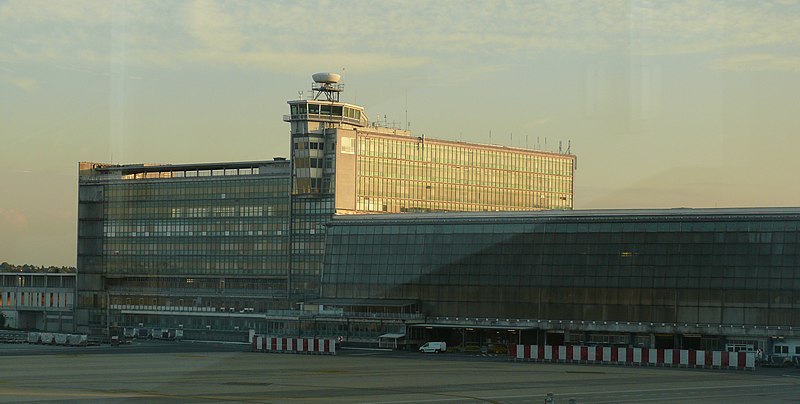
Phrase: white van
(435, 347)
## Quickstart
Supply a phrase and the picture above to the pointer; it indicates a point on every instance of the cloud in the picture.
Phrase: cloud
(57, 11)
(282, 35)
(759, 62)
(13, 219)
(213, 28)
(24, 83)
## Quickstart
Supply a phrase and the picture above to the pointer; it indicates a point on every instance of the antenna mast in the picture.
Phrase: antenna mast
(406, 109)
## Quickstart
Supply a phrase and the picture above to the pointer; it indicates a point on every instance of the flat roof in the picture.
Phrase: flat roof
(546, 215)
(142, 168)
(435, 140)
(392, 335)
(476, 326)
(364, 302)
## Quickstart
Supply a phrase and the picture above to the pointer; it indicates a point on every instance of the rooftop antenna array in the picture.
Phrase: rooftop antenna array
(327, 85)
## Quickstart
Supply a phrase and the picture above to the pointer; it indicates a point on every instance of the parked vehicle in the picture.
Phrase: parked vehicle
(785, 353)
(60, 339)
(77, 340)
(129, 333)
(434, 346)
(47, 338)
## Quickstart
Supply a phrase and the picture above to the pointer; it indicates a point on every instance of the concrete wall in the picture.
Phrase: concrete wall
(345, 172)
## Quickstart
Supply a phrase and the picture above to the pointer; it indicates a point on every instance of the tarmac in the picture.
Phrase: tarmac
(194, 372)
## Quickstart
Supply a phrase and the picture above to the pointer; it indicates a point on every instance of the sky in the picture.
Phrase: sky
(666, 104)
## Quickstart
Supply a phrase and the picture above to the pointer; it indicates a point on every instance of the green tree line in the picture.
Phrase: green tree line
(6, 267)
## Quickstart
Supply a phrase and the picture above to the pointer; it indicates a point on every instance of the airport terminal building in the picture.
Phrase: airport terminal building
(674, 278)
(208, 240)
(343, 163)
(219, 247)
(374, 235)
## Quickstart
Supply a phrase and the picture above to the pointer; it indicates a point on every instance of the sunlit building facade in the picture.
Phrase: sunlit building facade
(400, 173)
(366, 168)
(344, 164)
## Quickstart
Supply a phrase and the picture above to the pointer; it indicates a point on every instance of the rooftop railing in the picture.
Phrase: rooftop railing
(586, 324)
(326, 118)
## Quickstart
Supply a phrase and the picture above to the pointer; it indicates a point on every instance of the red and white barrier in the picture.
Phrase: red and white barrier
(634, 356)
(324, 346)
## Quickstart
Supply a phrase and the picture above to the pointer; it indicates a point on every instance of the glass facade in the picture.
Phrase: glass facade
(251, 235)
(734, 266)
(343, 164)
(200, 227)
(374, 169)
(310, 214)
(310, 159)
(181, 238)
(407, 174)
(327, 111)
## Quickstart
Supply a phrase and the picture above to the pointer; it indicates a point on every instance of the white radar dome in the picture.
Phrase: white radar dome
(326, 78)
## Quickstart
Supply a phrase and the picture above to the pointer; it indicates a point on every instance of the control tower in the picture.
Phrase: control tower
(314, 124)
(323, 132)
(344, 164)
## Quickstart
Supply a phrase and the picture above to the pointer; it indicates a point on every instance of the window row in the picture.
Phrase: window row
(177, 190)
(192, 173)
(325, 109)
(758, 232)
(443, 281)
(431, 172)
(163, 210)
(468, 155)
(418, 194)
(266, 248)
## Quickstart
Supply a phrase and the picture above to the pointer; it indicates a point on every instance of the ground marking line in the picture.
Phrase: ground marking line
(576, 394)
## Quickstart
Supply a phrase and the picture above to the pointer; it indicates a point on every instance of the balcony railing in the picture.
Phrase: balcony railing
(298, 314)
(325, 118)
(205, 292)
